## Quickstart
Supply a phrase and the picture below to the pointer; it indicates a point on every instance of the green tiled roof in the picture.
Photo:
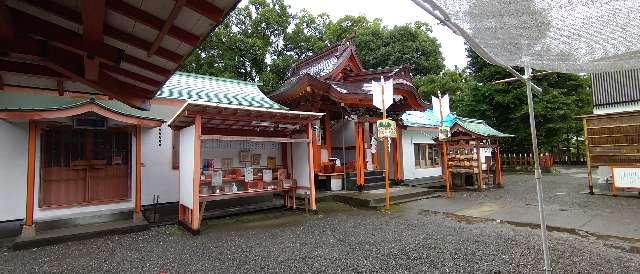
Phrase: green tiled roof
(10, 101)
(31, 102)
(121, 108)
(202, 88)
(480, 127)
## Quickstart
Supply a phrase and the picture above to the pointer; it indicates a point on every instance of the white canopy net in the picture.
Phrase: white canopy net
(578, 36)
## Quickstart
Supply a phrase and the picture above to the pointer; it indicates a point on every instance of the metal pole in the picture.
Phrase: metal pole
(538, 175)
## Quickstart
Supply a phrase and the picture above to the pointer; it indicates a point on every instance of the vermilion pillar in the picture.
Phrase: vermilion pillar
(138, 199)
(195, 211)
(31, 172)
(312, 186)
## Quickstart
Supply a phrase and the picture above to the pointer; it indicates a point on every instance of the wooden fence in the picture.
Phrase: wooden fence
(513, 161)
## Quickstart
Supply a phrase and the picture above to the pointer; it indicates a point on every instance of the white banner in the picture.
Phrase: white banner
(376, 88)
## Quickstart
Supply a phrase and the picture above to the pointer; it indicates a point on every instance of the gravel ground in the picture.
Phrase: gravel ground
(339, 239)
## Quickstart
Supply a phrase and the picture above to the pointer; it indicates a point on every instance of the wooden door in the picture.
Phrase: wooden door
(84, 166)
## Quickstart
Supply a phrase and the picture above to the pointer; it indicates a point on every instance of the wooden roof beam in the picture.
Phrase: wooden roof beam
(7, 31)
(29, 24)
(211, 11)
(122, 36)
(31, 48)
(29, 68)
(71, 65)
(60, 86)
(93, 12)
(152, 21)
(244, 132)
(168, 23)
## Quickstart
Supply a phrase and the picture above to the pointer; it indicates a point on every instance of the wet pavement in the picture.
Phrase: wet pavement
(567, 206)
(432, 235)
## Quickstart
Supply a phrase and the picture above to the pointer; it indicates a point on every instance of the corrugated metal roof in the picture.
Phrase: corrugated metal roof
(202, 88)
(429, 119)
(426, 119)
(480, 127)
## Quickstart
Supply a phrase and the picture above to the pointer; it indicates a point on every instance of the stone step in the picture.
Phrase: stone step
(369, 185)
(50, 235)
(367, 173)
(429, 182)
(376, 198)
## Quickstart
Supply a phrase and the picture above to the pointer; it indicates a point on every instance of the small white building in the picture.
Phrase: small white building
(421, 153)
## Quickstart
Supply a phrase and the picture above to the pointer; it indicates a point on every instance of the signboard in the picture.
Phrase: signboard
(626, 177)
(386, 128)
(443, 133)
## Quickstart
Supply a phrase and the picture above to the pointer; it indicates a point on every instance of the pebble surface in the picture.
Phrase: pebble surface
(338, 239)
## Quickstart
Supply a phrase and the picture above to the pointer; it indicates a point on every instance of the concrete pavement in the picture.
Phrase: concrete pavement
(566, 205)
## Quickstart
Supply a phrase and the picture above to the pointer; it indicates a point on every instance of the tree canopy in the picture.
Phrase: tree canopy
(261, 40)
(504, 106)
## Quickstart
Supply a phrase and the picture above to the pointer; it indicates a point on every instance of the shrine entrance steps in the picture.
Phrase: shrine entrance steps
(434, 182)
(373, 179)
(376, 198)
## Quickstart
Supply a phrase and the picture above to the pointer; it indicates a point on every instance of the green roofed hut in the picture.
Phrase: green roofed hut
(472, 155)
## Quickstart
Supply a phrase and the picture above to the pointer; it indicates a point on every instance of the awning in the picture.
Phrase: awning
(241, 121)
(22, 106)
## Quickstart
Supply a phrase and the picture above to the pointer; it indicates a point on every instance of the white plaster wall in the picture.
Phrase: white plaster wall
(42, 214)
(187, 136)
(158, 176)
(13, 170)
(300, 155)
(408, 160)
(346, 128)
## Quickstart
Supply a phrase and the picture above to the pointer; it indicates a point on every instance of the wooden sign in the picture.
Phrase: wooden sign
(626, 177)
(387, 128)
(271, 162)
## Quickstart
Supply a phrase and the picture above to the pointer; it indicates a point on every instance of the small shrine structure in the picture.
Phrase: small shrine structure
(333, 81)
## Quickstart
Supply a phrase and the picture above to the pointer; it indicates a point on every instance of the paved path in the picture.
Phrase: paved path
(566, 205)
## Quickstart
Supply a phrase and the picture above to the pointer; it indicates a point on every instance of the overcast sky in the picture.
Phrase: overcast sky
(396, 12)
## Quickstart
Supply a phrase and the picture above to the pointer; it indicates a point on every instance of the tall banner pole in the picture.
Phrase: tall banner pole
(445, 161)
(386, 143)
(538, 173)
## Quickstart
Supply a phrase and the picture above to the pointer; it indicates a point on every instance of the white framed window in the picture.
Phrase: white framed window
(426, 155)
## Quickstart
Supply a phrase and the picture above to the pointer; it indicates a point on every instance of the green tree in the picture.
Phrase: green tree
(504, 105)
(379, 47)
(245, 44)
(260, 41)
(450, 82)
